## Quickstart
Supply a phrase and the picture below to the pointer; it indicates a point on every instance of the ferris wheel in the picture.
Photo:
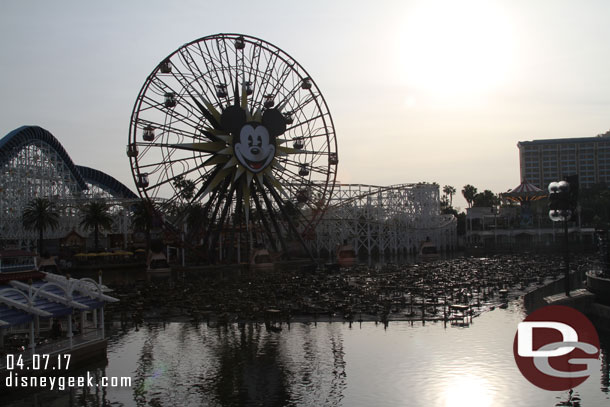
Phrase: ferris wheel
(235, 127)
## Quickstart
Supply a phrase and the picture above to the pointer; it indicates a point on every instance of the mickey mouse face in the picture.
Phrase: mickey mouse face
(254, 150)
(253, 142)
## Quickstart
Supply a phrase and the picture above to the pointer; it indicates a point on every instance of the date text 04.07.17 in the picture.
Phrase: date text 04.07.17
(38, 362)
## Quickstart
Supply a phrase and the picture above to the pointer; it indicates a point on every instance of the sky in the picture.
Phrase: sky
(419, 91)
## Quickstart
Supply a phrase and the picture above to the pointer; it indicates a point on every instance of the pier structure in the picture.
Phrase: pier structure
(34, 164)
(385, 220)
(51, 314)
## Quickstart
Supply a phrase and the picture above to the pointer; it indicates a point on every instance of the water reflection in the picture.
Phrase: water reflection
(235, 365)
(571, 399)
(324, 364)
(470, 390)
(248, 369)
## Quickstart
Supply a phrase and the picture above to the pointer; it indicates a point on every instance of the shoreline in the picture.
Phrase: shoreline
(396, 292)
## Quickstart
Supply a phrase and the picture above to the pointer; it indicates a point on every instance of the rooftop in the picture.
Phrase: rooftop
(51, 296)
(596, 139)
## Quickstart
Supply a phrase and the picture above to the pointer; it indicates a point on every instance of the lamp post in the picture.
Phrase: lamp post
(563, 196)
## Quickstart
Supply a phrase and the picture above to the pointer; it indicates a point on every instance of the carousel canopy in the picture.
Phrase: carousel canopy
(525, 192)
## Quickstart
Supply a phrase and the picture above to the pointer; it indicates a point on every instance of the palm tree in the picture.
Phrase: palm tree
(95, 216)
(141, 219)
(196, 220)
(449, 191)
(469, 193)
(486, 198)
(40, 214)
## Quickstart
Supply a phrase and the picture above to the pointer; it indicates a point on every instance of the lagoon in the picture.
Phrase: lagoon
(320, 364)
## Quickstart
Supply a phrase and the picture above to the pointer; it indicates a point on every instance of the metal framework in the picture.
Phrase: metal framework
(54, 297)
(385, 221)
(232, 124)
(34, 164)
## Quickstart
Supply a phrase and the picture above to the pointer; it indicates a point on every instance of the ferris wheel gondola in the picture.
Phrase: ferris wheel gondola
(232, 128)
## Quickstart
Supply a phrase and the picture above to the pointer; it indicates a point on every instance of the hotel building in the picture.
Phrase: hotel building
(545, 161)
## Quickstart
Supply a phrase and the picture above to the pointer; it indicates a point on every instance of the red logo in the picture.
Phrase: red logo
(556, 348)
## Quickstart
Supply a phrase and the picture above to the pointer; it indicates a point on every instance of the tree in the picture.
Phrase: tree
(449, 191)
(444, 203)
(40, 214)
(595, 206)
(141, 219)
(469, 192)
(486, 198)
(196, 220)
(186, 187)
(95, 216)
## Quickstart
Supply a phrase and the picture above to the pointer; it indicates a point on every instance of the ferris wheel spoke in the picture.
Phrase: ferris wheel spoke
(266, 75)
(211, 63)
(212, 203)
(184, 102)
(304, 122)
(223, 214)
(322, 170)
(254, 62)
(207, 147)
(289, 220)
(165, 162)
(304, 153)
(189, 62)
(218, 196)
(147, 149)
(222, 52)
(208, 204)
(283, 103)
(272, 89)
(168, 154)
(291, 188)
(279, 85)
(287, 164)
(170, 179)
(237, 222)
(207, 114)
(207, 180)
(169, 205)
(199, 107)
(161, 108)
(240, 66)
(165, 128)
(272, 215)
(188, 142)
(148, 106)
(263, 219)
(294, 176)
(301, 104)
(208, 61)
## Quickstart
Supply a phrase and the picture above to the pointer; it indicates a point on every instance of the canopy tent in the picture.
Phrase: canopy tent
(525, 192)
(11, 316)
(56, 296)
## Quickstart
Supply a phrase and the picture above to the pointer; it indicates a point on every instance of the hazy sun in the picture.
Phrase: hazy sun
(455, 48)
(468, 390)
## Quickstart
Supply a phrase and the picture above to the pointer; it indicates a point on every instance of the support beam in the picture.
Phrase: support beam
(51, 296)
(30, 309)
(291, 225)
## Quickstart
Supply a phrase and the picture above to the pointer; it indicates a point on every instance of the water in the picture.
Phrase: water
(323, 364)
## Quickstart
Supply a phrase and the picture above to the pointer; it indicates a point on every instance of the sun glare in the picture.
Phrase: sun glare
(468, 390)
(455, 48)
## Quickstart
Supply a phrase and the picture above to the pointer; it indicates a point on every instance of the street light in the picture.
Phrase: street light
(559, 201)
(563, 197)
